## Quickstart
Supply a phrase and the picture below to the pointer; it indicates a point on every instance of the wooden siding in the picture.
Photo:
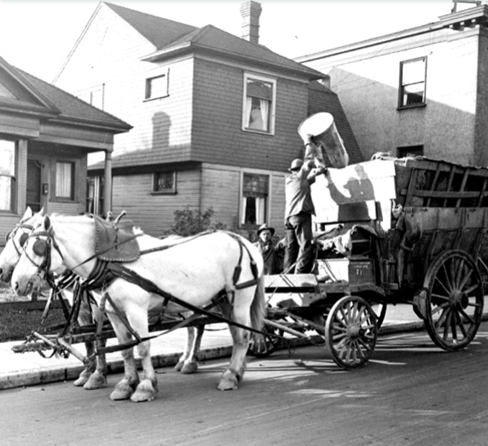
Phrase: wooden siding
(217, 120)
(109, 54)
(221, 191)
(154, 213)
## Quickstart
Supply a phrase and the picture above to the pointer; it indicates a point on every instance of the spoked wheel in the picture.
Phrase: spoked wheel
(351, 332)
(379, 310)
(454, 301)
(262, 346)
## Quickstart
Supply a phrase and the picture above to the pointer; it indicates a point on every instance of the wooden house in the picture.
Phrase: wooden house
(215, 116)
(418, 91)
(45, 137)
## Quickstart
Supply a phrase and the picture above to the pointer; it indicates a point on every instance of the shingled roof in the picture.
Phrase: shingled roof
(71, 109)
(171, 38)
(158, 31)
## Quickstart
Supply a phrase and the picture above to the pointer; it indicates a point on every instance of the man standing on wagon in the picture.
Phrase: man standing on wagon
(298, 216)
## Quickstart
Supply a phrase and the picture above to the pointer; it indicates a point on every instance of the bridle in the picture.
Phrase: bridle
(43, 248)
(23, 238)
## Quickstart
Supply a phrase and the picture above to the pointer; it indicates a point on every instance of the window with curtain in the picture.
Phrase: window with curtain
(259, 104)
(8, 175)
(165, 182)
(64, 180)
(254, 199)
(412, 82)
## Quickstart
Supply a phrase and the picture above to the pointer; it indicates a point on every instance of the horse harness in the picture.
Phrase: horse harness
(105, 272)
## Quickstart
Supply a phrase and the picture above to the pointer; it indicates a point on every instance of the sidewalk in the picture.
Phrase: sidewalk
(25, 369)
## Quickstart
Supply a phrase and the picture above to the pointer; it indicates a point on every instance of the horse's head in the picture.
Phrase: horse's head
(40, 256)
(15, 241)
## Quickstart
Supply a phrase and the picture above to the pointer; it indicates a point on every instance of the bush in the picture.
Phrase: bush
(190, 222)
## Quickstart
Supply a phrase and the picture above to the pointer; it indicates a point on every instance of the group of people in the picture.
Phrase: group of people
(298, 242)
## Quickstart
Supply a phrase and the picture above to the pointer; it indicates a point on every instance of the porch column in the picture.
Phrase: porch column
(107, 187)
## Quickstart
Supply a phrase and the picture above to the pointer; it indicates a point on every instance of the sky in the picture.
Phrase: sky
(37, 36)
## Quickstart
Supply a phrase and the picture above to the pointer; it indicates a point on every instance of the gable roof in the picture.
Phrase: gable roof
(73, 109)
(214, 40)
(34, 96)
(171, 38)
(157, 30)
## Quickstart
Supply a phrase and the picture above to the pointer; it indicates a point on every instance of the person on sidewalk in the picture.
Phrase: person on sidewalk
(298, 215)
(267, 248)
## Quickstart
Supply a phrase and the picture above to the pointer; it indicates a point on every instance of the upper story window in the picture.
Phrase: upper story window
(413, 75)
(65, 181)
(165, 182)
(259, 104)
(254, 200)
(8, 175)
(157, 86)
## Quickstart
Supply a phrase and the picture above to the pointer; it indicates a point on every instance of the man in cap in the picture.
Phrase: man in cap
(267, 249)
(298, 216)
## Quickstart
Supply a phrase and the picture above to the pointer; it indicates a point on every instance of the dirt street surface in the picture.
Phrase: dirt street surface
(410, 394)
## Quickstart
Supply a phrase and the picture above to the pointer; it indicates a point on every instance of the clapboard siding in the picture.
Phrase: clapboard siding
(217, 119)
(154, 213)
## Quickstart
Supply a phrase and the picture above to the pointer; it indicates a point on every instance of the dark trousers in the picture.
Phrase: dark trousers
(299, 248)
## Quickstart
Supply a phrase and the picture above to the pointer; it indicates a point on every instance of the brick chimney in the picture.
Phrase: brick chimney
(250, 12)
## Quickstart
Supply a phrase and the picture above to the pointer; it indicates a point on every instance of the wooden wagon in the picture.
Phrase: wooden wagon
(389, 231)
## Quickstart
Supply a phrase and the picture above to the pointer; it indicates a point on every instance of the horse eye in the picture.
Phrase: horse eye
(23, 239)
(40, 247)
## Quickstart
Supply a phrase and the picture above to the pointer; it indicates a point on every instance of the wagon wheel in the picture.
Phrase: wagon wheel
(379, 308)
(262, 346)
(351, 332)
(454, 301)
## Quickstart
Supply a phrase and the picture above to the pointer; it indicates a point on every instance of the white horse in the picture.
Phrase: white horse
(217, 267)
(94, 375)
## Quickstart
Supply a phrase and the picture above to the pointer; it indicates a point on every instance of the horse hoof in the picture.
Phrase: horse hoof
(96, 381)
(123, 391)
(228, 384)
(179, 366)
(189, 367)
(80, 381)
(145, 392)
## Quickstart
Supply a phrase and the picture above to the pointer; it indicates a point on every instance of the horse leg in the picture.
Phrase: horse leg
(98, 377)
(188, 362)
(124, 388)
(148, 387)
(231, 378)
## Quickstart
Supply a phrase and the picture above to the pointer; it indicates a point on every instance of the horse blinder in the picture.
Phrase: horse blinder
(39, 247)
(23, 238)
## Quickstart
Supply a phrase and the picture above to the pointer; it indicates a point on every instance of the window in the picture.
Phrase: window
(157, 86)
(259, 104)
(64, 186)
(94, 95)
(165, 182)
(412, 82)
(402, 152)
(254, 199)
(8, 178)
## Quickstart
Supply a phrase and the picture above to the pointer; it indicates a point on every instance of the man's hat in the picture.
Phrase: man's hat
(296, 165)
(265, 227)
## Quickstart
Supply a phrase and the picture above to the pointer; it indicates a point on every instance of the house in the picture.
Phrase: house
(45, 137)
(420, 91)
(215, 116)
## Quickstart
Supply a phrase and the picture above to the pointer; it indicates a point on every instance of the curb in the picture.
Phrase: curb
(71, 372)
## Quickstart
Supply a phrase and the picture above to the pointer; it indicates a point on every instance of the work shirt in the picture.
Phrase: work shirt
(297, 192)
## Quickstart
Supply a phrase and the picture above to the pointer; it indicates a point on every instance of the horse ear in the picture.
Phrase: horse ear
(27, 213)
(47, 222)
(42, 212)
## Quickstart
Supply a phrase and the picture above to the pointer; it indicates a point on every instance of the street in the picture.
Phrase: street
(410, 393)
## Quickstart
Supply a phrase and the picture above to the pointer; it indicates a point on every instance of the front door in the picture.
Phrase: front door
(36, 199)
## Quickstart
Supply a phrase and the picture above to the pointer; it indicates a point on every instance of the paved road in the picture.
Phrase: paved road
(410, 394)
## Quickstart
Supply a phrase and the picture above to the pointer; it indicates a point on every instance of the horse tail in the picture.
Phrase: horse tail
(258, 306)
